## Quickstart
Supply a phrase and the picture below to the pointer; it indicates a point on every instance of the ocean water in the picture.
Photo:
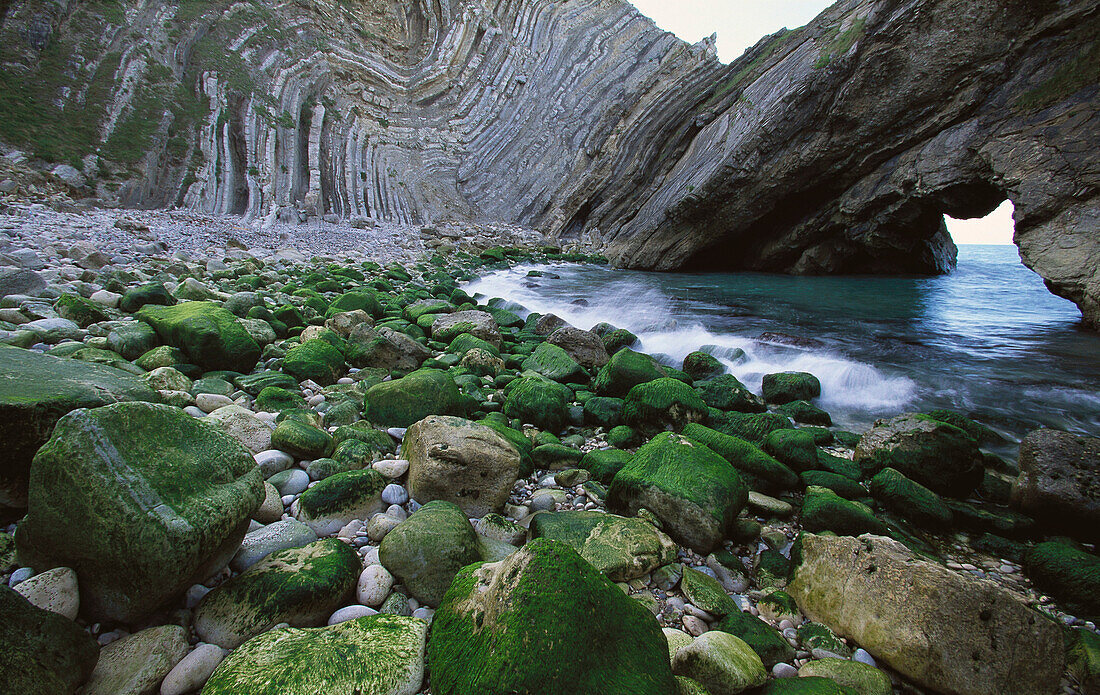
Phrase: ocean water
(988, 340)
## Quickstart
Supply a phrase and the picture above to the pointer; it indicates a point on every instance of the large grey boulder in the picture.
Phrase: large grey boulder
(1059, 481)
(946, 631)
(583, 346)
(939, 456)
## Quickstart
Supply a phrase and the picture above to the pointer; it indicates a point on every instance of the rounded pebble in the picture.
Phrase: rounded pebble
(192, 672)
(862, 656)
(782, 670)
(374, 586)
(395, 494)
(350, 613)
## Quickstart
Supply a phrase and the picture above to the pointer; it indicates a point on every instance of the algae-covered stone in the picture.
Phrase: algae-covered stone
(333, 502)
(1069, 574)
(375, 655)
(1083, 657)
(539, 402)
(301, 440)
(620, 547)
(137, 663)
(726, 392)
(258, 544)
(459, 461)
(161, 499)
(939, 456)
(824, 510)
(795, 448)
(662, 404)
(429, 548)
(722, 663)
(209, 335)
(910, 499)
(624, 371)
(790, 386)
(603, 464)
(808, 685)
(35, 391)
(862, 678)
(752, 427)
(132, 340)
(806, 413)
(947, 631)
(152, 293)
(274, 399)
(768, 644)
(695, 492)
(705, 592)
(401, 402)
(300, 586)
(41, 653)
(745, 457)
(554, 363)
(602, 411)
(479, 324)
(528, 624)
(701, 366)
(357, 300)
(315, 360)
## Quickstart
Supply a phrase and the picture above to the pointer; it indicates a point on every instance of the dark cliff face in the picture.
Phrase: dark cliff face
(834, 148)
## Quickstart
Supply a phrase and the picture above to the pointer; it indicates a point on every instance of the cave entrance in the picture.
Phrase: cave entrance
(994, 228)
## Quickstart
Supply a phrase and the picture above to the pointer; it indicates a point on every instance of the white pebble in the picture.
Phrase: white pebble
(374, 586)
(192, 672)
(863, 657)
(350, 613)
(391, 468)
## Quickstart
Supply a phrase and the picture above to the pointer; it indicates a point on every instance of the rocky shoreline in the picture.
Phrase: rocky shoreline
(302, 459)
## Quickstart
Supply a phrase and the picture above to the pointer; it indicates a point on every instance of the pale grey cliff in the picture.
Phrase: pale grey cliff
(836, 147)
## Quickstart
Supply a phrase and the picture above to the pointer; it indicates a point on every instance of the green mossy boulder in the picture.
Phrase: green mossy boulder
(701, 366)
(35, 391)
(705, 592)
(601, 411)
(161, 499)
(939, 456)
(41, 652)
(554, 363)
(83, 312)
(695, 492)
(663, 404)
(623, 437)
(620, 547)
(301, 440)
(795, 448)
(364, 300)
(726, 392)
(824, 510)
(806, 413)
(752, 427)
(810, 685)
(603, 464)
(817, 636)
(722, 663)
(624, 371)
(163, 356)
(300, 586)
(768, 644)
(253, 384)
(379, 654)
(210, 336)
(790, 386)
(977, 431)
(428, 549)
(315, 360)
(859, 678)
(539, 402)
(274, 399)
(617, 339)
(132, 340)
(841, 485)
(1068, 574)
(1083, 657)
(465, 342)
(401, 402)
(525, 625)
(745, 457)
(153, 293)
(329, 505)
(909, 499)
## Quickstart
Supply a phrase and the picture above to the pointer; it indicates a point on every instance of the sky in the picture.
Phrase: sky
(741, 23)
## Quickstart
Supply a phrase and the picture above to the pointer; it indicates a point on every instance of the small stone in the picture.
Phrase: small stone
(380, 525)
(397, 433)
(291, 482)
(391, 468)
(192, 672)
(350, 613)
(194, 594)
(542, 502)
(20, 575)
(693, 625)
(862, 656)
(209, 402)
(782, 670)
(374, 586)
(395, 494)
(54, 590)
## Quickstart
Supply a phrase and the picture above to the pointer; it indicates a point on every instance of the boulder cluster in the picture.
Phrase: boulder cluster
(293, 477)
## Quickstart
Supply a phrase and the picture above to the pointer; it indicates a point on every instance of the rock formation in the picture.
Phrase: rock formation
(833, 148)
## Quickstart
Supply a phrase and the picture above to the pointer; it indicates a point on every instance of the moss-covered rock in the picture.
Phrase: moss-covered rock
(795, 448)
(841, 485)
(132, 340)
(526, 625)
(36, 390)
(806, 413)
(824, 510)
(1083, 657)
(695, 492)
(153, 293)
(554, 363)
(315, 360)
(726, 392)
(620, 547)
(747, 458)
(617, 339)
(810, 685)
(539, 402)
(364, 300)
(480, 324)
(380, 654)
(705, 592)
(860, 678)
(162, 500)
(624, 371)
(701, 366)
(722, 663)
(464, 342)
(253, 384)
(817, 636)
(662, 404)
(623, 437)
(768, 644)
(274, 399)
(602, 411)
(428, 549)
(752, 427)
(210, 336)
(162, 356)
(939, 456)
(603, 464)
(1068, 574)
(909, 499)
(401, 402)
(300, 586)
(301, 440)
(41, 653)
(329, 505)
(790, 386)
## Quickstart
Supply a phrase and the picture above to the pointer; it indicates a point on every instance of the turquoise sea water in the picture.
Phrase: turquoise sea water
(988, 340)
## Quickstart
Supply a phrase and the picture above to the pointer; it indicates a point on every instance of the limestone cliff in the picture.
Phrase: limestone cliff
(836, 147)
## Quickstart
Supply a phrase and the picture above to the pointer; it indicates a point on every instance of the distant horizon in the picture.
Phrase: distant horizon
(740, 24)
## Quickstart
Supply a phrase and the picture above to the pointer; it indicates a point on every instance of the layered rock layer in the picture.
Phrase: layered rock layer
(832, 148)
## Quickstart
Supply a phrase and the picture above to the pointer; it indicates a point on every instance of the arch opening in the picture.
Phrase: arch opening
(996, 227)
